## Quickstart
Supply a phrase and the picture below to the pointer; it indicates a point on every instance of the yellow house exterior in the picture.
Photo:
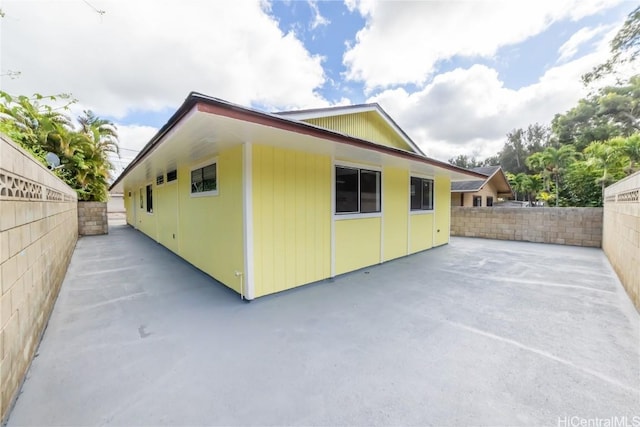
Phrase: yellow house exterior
(268, 202)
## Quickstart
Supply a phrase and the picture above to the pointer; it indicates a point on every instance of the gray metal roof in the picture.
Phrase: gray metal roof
(464, 186)
(486, 170)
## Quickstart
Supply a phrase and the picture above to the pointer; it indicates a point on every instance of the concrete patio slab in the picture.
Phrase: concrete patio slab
(478, 332)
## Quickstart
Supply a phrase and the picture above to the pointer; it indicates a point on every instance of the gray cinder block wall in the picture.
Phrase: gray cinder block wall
(38, 232)
(564, 226)
(92, 218)
(621, 236)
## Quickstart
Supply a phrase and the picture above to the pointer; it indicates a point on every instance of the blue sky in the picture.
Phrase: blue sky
(457, 76)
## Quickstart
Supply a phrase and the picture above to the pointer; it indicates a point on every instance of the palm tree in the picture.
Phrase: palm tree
(534, 186)
(98, 138)
(37, 126)
(552, 163)
(535, 162)
(631, 148)
(521, 184)
(608, 159)
(84, 152)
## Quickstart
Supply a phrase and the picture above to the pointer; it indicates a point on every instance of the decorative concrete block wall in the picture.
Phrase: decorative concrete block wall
(38, 232)
(564, 226)
(92, 218)
(621, 236)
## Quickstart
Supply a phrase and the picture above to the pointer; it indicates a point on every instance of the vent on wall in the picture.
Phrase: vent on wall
(172, 176)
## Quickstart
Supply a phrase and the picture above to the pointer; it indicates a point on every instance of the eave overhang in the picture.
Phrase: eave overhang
(196, 104)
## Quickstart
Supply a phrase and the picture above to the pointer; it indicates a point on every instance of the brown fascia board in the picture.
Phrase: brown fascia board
(505, 180)
(220, 107)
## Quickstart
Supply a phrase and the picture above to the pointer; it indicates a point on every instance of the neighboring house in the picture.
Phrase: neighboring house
(482, 192)
(267, 202)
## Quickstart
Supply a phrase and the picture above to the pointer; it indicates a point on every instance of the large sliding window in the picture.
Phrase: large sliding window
(421, 194)
(357, 190)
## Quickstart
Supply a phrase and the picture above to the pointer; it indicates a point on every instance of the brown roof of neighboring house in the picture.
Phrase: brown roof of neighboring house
(489, 172)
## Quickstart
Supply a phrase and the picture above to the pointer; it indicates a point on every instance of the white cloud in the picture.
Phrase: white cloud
(403, 41)
(318, 19)
(570, 48)
(469, 111)
(147, 55)
(132, 139)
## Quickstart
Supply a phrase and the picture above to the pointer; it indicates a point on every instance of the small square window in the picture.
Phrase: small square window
(421, 194)
(477, 201)
(357, 190)
(172, 175)
(160, 180)
(205, 179)
(489, 201)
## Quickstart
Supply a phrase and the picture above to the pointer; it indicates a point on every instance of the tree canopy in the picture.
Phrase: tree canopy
(41, 125)
(590, 146)
(624, 48)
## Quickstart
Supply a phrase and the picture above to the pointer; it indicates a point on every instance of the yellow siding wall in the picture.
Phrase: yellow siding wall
(421, 232)
(442, 210)
(357, 243)
(291, 218)
(166, 211)
(367, 125)
(210, 231)
(396, 202)
(146, 221)
(128, 206)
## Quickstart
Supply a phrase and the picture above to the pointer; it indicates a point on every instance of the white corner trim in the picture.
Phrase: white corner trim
(247, 213)
(332, 213)
(409, 214)
(382, 200)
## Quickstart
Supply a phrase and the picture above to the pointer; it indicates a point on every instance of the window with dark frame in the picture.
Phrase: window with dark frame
(204, 180)
(421, 194)
(172, 175)
(160, 180)
(358, 190)
(369, 191)
(489, 201)
(149, 198)
(477, 201)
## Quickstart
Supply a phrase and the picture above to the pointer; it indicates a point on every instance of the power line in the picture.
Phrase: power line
(98, 11)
